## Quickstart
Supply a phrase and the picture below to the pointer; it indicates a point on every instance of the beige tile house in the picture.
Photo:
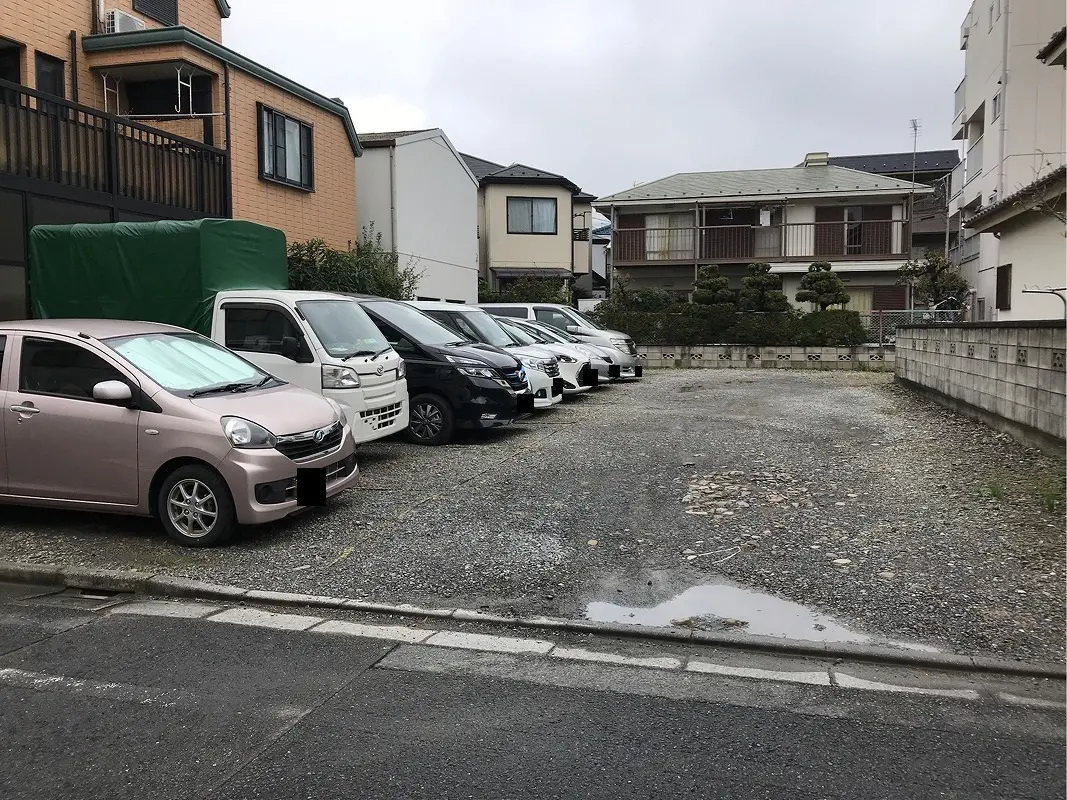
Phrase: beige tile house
(531, 223)
(128, 110)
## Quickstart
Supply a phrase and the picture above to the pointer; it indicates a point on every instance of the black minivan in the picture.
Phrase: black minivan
(452, 381)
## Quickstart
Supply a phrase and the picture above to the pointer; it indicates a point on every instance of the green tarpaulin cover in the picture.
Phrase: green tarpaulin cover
(153, 271)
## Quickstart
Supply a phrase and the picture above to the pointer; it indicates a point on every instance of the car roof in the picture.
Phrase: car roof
(295, 295)
(94, 328)
(440, 305)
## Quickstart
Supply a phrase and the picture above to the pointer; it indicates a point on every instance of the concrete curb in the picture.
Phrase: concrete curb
(167, 586)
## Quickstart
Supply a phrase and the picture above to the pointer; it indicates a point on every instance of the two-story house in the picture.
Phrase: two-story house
(664, 231)
(531, 223)
(1010, 110)
(931, 227)
(422, 196)
(134, 110)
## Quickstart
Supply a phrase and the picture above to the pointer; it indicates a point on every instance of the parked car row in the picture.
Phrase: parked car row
(264, 416)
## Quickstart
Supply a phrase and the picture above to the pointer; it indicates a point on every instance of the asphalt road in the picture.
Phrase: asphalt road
(115, 706)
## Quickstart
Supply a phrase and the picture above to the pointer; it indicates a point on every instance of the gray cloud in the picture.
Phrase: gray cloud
(631, 90)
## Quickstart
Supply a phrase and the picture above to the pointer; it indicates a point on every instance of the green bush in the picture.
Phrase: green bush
(369, 268)
(831, 329)
(525, 290)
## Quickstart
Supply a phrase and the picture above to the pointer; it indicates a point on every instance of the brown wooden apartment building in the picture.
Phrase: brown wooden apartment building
(134, 110)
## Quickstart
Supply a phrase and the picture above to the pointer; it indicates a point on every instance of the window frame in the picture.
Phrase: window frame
(532, 232)
(306, 356)
(307, 148)
(1003, 293)
(997, 104)
(21, 389)
(152, 10)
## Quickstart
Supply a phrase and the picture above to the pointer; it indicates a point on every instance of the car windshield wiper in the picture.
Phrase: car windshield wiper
(229, 387)
(382, 352)
(359, 353)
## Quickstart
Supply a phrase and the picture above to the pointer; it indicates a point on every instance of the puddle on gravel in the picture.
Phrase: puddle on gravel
(721, 607)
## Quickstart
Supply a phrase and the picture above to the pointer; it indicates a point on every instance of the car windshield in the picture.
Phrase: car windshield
(553, 334)
(187, 363)
(414, 324)
(488, 329)
(522, 335)
(585, 321)
(343, 328)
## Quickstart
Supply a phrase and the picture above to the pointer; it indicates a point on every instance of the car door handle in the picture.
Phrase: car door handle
(25, 410)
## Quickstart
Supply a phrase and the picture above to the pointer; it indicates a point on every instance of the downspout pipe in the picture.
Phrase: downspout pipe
(1003, 99)
(392, 199)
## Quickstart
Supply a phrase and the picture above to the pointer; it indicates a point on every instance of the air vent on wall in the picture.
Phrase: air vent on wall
(116, 21)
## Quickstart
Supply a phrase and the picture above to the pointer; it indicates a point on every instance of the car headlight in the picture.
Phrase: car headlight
(401, 369)
(246, 434)
(567, 359)
(539, 364)
(620, 344)
(338, 377)
(479, 372)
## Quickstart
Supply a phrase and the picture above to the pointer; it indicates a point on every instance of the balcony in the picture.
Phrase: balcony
(48, 139)
(973, 162)
(961, 96)
(791, 242)
(956, 181)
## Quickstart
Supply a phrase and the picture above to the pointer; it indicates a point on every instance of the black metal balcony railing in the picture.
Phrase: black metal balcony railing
(50, 139)
(803, 241)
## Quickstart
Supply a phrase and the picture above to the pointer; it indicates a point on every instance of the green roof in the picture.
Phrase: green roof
(179, 34)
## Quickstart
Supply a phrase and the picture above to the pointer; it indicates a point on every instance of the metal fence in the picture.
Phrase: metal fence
(881, 326)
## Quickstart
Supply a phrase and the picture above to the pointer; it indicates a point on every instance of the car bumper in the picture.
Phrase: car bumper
(375, 417)
(264, 482)
(490, 405)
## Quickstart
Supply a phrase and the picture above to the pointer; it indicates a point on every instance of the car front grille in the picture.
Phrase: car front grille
(380, 418)
(553, 370)
(516, 379)
(305, 446)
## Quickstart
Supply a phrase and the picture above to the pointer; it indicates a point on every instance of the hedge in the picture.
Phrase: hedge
(687, 324)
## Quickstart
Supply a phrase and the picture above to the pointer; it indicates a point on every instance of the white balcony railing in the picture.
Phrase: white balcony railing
(960, 97)
(956, 181)
(973, 162)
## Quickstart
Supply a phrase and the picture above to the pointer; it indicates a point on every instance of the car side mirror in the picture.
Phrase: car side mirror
(573, 329)
(403, 346)
(114, 393)
(291, 348)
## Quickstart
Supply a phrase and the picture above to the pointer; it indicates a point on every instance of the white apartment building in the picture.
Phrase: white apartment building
(1010, 112)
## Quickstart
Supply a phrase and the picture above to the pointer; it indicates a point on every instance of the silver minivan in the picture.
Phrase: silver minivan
(577, 324)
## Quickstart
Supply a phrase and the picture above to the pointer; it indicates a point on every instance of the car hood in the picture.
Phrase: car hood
(532, 351)
(281, 410)
(476, 351)
(560, 349)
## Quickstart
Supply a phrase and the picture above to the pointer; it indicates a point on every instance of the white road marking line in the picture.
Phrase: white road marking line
(851, 682)
(1035, 702)
(579, 654)
(165, 608)
(495, 644)
(789, 676)
(266, 619)
(41, 682)
(396, 633)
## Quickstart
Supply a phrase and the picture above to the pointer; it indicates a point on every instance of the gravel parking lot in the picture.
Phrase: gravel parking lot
(713, 499)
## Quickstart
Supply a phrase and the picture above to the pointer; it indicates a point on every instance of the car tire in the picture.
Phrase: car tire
(431, 420)
(195, 507)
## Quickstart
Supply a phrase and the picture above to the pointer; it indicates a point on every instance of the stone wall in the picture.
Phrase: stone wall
(1009, 375)
(719, 356)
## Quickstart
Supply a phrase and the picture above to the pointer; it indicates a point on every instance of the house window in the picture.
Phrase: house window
(165, 11)
(1004, 287)
(996, 105)
(50, 79)
(532, 215)
(285, 150)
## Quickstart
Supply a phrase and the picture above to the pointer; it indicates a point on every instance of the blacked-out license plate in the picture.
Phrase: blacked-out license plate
(311, 486)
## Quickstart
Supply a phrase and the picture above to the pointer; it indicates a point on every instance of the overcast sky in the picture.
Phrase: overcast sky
(625, 91)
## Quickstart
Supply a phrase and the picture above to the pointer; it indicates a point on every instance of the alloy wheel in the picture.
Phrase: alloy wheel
(426, 420)
(192, 508)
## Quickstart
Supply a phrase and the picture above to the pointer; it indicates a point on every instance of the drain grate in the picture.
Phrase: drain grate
(83, 599)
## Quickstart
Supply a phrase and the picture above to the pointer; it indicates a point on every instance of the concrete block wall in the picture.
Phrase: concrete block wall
(1010, 375)
(739, 356)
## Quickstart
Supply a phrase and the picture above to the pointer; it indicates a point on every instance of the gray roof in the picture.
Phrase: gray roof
(759, 183)
(900, 163)
(480, 166)
(386, 138)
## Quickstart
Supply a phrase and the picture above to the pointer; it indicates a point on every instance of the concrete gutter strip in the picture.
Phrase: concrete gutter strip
(167, 586)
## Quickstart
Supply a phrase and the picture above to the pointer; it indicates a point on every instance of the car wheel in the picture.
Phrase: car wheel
(430, 420)
(196, 508)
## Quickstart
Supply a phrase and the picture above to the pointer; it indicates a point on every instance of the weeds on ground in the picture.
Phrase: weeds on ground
(994, 488)
(1050, 492)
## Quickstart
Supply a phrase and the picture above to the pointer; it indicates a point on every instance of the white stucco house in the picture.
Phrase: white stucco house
(663, 232)
(1010, 112)
(419, 192)
(531, 223)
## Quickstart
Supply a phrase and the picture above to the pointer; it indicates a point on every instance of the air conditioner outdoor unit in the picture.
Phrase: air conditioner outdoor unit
(116, 21)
